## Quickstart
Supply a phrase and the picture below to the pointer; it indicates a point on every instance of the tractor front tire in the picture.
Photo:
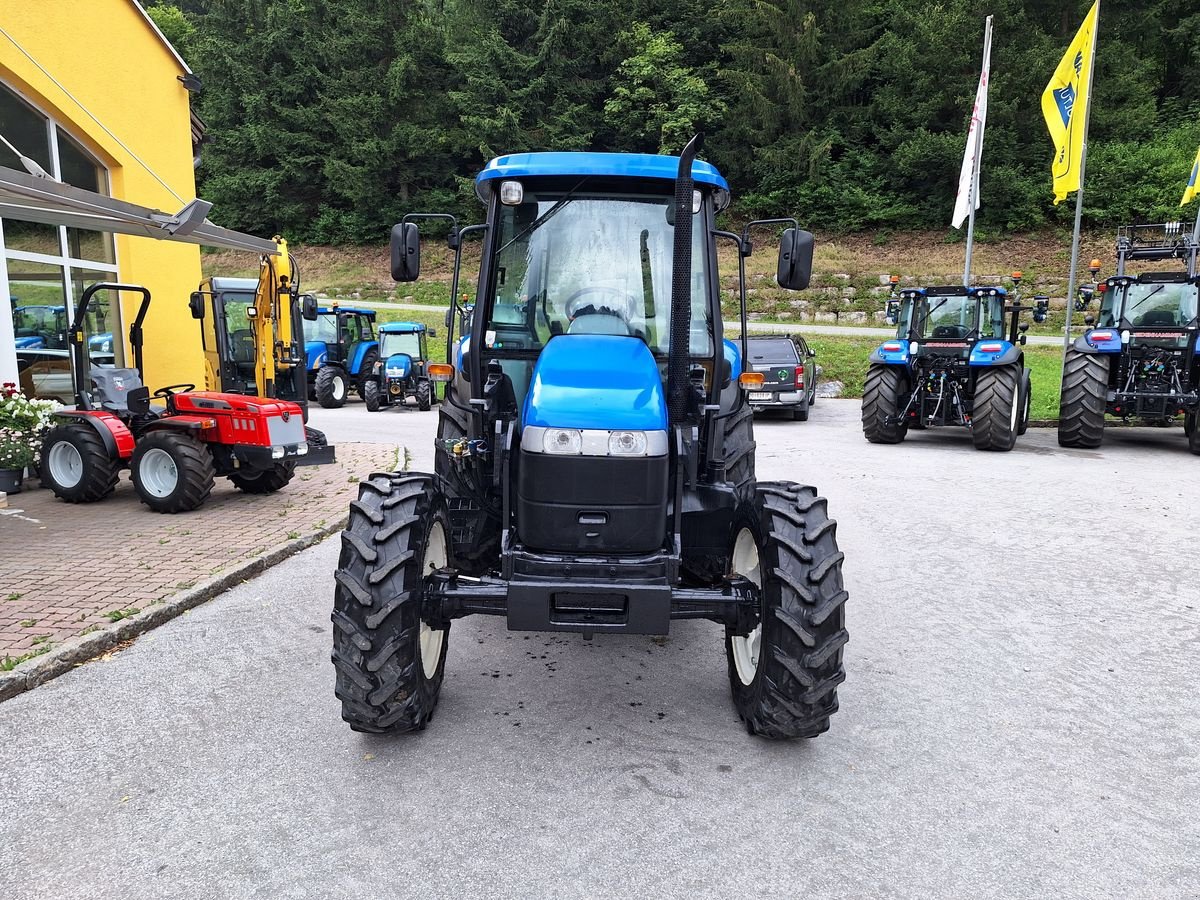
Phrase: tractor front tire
(424, 395)
(1081, 409)
(172, 471)
(366, 372)
(265, 481)
(884, 391)
(369, 390)
(389, 662)
(75, 464)
(332, 386)
(1027, 405)
(997, 408)
(784, 674)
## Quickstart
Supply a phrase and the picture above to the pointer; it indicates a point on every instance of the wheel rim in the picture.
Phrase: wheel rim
(339, 387)
(433, 638)
(745, 650)
(157, 473)
(65, 463)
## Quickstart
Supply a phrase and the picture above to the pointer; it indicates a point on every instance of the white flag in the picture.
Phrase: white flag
(968, 179)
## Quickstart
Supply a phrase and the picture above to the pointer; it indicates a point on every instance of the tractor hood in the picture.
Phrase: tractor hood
(398, 365)
(314, 351)
(213, 401)
(596, 381)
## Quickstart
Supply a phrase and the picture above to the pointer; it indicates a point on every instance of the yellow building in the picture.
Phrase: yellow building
(93, 92)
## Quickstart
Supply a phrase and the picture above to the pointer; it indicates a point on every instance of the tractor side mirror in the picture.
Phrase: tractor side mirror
(449, 316)
(432, 332)
(196, 305)
(892, 314)
(1041, 308)
(308, 307)
(1089, 321)
(406, 252)
(795, 259)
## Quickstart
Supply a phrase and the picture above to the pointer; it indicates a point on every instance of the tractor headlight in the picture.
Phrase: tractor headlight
(567, 441)
(627, 443)
(302, 450)
(277, 452)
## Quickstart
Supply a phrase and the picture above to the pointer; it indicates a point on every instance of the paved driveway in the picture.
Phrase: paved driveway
(1019, 720)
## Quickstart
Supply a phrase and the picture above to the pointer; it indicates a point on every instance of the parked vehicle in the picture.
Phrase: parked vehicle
(341, 351)
(953, 363)
(790, 373)
(400, 372)
(1138, 358)
(594, 465)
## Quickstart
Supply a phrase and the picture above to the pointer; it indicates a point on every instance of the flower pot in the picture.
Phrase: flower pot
(10, 480)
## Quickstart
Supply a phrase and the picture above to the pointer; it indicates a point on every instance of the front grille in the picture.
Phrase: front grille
(282, 433)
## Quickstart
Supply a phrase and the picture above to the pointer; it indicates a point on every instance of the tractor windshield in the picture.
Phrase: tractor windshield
(591, 264)
(324, 329)
(390, 344)
(940, 317)
(1149, 305)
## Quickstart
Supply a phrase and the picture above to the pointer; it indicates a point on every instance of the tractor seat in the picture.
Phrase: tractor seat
(598, 323)
(112, 387)
(949, 331)
(1158, 317)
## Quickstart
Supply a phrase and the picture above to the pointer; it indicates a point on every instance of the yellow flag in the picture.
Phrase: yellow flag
(1064, 106)
(1190, 192)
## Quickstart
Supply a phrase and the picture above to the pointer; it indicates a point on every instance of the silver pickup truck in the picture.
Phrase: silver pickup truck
(790, 372)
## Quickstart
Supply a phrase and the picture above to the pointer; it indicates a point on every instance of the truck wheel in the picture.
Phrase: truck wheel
(784, 674)
(997, 407)
(1027, 403)
(365, 372)
(370, 394)
(1081, 409)
(800, 414)
(424, 395)
(476, 530)
(389, 662)
(332, 387)
(75, 464)
(885, 389)
(264, 481)
(172, 471)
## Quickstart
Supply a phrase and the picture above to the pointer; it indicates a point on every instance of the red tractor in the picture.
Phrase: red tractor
(175, 449)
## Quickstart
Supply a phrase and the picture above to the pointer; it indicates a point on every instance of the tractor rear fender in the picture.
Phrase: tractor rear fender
(1087, 342)
(994, 353)
(733, 357)
(891, 353)
(117, 438)
(360, 353)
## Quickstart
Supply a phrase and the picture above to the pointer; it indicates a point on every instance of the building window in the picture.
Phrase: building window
(45, 268)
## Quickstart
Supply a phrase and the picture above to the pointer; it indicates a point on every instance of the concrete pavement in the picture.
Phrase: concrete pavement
(1019, 718)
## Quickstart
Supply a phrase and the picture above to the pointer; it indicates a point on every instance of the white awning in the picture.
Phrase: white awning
(36, 199)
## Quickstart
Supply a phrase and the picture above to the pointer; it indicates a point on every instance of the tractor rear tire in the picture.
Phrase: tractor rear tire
(424, 395)
(1027, 404)
(332, 386)
(369, 390)
(389, 662)
(997, 408)
(172, 471)
(482, 553)
(784, 674)
(75, 464)
(265, 481)
(1081, 409)
(366, 372)
(885, 389)
(1193, 433)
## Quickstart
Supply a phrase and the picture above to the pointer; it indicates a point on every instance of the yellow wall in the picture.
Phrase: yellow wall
(108, 61)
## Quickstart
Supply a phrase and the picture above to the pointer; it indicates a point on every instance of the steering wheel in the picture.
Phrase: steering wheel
(573, 307)
(171, 389)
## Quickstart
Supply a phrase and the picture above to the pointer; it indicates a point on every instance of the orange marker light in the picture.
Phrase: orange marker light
(895, 279)
(1017, 276)
(750, 380)
(440, 372)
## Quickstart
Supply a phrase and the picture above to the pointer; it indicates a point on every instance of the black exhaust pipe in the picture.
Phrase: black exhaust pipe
(681, 288)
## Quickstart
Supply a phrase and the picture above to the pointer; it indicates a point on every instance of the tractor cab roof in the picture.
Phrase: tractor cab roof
(328, 310)
(603, 165)
(955, 290)
(233, 284)
(401, 328)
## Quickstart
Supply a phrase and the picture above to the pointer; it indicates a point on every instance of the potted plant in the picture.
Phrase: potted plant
(23, 423)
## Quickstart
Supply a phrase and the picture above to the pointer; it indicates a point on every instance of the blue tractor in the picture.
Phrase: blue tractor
(340, 353)
(44, 327)
(594, 464)
(400, 371)
(1141, 358)
(958, 359)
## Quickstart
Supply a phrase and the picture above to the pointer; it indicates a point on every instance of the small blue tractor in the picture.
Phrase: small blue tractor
(1140, 358)
(954, 362)
(400, 371)
(341, 350)
(594, 464)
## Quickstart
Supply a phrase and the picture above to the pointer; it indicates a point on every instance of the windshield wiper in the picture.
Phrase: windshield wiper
(914, 331)
(1127, 313)
(544, 217)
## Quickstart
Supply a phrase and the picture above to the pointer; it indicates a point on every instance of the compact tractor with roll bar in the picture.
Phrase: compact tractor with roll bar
(175, 450)
(594, 466)
(1138, 357)
(958, 359)
(402, 368)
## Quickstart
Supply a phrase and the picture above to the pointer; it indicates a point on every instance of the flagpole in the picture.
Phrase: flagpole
(1087, 117)
(978, 153)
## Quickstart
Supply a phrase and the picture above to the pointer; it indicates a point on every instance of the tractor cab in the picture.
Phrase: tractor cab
(401, 370)
(40, 327)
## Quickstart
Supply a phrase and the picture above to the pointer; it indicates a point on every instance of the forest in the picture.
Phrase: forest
(328, 119)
